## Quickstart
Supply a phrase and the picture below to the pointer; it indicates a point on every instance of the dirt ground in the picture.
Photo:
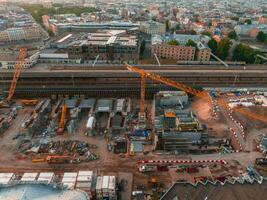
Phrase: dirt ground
(251, 123)
(12, 161)
(203, 110)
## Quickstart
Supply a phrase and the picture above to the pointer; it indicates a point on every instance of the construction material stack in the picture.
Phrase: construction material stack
(38, 120)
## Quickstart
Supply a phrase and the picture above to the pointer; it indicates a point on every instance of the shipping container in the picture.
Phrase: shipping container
(112, 186)
(28, 177)
(85, 173)
(47, 177)
(5, 178)
(105, 184)
(84, 185)
(99, 182)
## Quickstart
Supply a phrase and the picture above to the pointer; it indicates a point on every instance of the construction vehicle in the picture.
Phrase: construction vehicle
(147, 168)
(57, 159)
(199, 93)
(52, 159)
(38, 160)
(62, 121)
(31, 102)
(18, 66)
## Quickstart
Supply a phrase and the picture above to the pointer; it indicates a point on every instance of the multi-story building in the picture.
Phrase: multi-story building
(250, 30)
(263, 20)
(174, 52)
(107, 46)
(22, 33)
(15, 34)
(59, 25)
(203, 53)
(8, 61)
(4, 37)
(152, 27)
(180, 52)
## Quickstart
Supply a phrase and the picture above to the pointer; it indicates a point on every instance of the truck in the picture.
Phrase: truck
(147, 168)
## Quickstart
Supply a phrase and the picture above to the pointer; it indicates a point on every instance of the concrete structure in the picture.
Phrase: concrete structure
(41, 192)
(93, 82)
(230, 190)
(152, 27)
(108, 46)
(179, 141)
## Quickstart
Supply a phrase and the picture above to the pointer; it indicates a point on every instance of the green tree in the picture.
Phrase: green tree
(37, 10)
(212, 44)
(232, 35)
(142, 47)
(206, 33)
(50, 32)
(191, 43)
(244, 53)
(223, 48)
(177, 27)
(248, 21)
(261, 36)
(173, 42)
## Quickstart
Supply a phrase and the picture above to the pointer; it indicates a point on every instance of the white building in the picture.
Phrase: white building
(9, 61)
(152, 27)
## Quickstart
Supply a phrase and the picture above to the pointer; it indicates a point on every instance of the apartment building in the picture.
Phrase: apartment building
(180, 52)
(174, 52)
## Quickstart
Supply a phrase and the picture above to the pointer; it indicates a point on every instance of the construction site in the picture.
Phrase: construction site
(148, 144)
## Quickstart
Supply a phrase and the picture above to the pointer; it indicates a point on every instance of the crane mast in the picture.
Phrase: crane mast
(18, 66)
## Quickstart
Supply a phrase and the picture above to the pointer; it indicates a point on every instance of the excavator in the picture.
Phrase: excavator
(202, 94)
(18, 66)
